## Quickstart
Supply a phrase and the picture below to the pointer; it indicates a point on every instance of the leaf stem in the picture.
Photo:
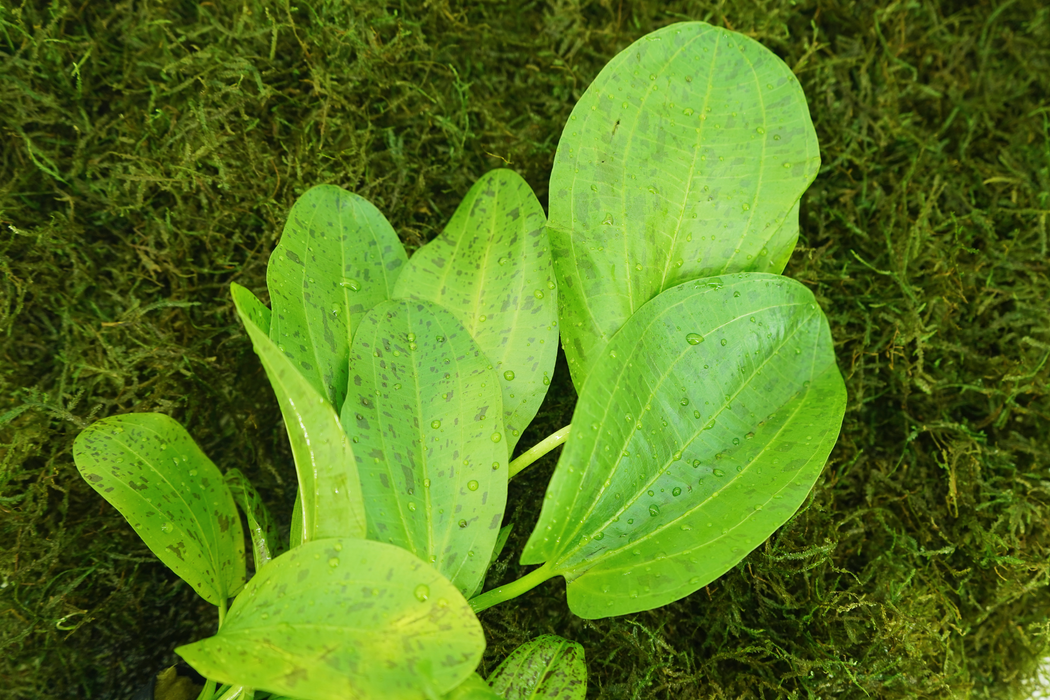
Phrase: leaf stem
(511, 590)
(535, 452)
(222, 612)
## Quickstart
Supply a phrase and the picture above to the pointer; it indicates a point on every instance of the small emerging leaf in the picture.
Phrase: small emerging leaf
(265, 539)
(324, 462)
(685, 158)
(150, 469)
(700, 431)
(425, 414)
(491, 268)
(546, 668)
(345, 618)
(338, 257)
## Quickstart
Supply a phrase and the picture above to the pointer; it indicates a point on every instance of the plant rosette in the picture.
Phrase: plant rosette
(709, 397)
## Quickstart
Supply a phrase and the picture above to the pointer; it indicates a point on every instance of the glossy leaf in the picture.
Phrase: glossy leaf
(425, 414)
(546, 668)
(266, 542)
(474, 688)
(150, 469)
(337, 258)
(700, 431)
(491, 267)
(324, 461)
(685, 158)
(345, 618)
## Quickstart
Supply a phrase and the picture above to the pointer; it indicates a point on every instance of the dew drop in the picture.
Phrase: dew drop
(684, 401)
(422, 592)
(193, 472)
(538, 293)
(462, 523)
(676, 491)
(502, 261)
(473, 485)
(696, 414)
(412, 506)
(496, 437)
(435, 424)
(351, 284)
(724, 342)
(718, 472)
(333, 562)
(495, 466)
(166, 527)
(482, 318)
(600, 536)
(694, 338)
(654, 510)
(607, 220)
(426, 483)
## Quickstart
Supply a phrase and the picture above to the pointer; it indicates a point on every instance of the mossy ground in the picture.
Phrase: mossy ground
(150, 151)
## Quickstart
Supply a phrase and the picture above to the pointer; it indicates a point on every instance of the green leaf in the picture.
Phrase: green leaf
(685, 158)
(491, 267)
(324, 460)
(474, 688)
(345, 618)
(265, 539)
(425, 414)
(700, 431)
(338, 257)
(547, 668)
(150, 469)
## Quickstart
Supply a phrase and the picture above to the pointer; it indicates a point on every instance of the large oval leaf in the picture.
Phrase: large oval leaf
(150, 469)
(324, 462)
(337, 258)
(546, 668)
(685, 158)
(700, 431)
(491, 267)
(345, 618)
(425, 414)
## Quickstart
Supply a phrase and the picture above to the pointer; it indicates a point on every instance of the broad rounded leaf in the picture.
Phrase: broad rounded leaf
(345, 618)
(700, 431)
(150, 469)
(337, 258)
(546, 668)
(685, 158)
(491, 267)
(425, 413)
(324, 461)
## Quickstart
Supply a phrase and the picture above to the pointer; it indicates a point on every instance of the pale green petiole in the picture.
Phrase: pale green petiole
(513, 589)
(546, 445)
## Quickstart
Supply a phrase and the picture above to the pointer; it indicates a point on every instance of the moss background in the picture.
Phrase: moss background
(149, 152)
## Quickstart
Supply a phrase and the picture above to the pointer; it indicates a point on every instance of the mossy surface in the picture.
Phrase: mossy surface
(151, 150)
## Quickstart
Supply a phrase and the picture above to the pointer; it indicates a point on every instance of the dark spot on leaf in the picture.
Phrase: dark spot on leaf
(94, 478)
(138, 487)
(178, 550)
(293, 257)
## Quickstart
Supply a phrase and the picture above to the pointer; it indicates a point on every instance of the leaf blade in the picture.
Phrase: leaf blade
(344, 617)
(654, 494)
(425, 414)
(673, 139)
(324, 461)
(150, 469)
(545, 668)
(337, 258)
(491, 268)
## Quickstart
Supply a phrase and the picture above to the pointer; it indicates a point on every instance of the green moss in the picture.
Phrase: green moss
(151, 153)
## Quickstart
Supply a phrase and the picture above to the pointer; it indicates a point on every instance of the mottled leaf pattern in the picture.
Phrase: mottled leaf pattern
(491, 267)
(150, 469)
(337, 258)
(700, 431)
(425, 415)
(324, 461)
(547, 668)
(345, 618)
(685, 158)
(265, 540)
